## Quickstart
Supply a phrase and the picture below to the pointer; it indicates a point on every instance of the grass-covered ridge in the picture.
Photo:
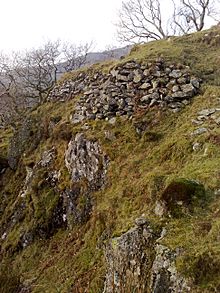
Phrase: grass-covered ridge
(141, 167)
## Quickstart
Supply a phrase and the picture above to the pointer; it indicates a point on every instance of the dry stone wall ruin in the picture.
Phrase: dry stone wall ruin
(127, 88)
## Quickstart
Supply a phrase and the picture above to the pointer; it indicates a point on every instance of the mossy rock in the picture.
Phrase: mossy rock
(182, 195)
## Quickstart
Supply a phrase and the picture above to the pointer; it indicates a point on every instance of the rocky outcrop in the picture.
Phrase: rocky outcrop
(129, 259)
(136, 262)
(85, 160)
(26, 137)
(164, 275)
(87, 165)
(126, 88)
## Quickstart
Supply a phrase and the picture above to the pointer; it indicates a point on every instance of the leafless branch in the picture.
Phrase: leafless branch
(141, 20)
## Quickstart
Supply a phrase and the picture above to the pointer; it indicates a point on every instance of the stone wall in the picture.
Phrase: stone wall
(126, 88)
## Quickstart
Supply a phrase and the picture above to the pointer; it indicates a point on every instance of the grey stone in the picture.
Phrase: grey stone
(122, 77)
(99, 116)
(84, 159)
(157, 73)
(138, 75)
(153, 102)
(182, 80)
(175, 88)
(180, 95)
(112, 121)
(196, 146)
(196, 122)
(128, 259)
(195, 82)
(206, 112)
(185, 102)
(199, 131)
(188, 89)
(106, 95)
(129, 264)
(146, 99)
(176, 73)
(145, 86)
(165, 277)
(155, 84)
(109, 135)
(147, 72)
(47, 157)
(77, 118)
(176, 110)
(160, 208)
(141, 221)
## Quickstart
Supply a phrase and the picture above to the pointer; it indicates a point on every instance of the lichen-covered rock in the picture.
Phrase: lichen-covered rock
(86, 161)
(77, 205)
(129, 260)
(136, 262)
(47, 157)
(27, 137)
(87, 165)
(164, 275)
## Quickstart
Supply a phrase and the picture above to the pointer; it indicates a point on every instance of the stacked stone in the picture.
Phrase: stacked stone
(127, 87)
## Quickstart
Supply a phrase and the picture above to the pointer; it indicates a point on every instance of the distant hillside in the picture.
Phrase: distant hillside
(97, 57)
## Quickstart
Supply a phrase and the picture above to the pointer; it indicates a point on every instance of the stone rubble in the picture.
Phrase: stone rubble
(207, 114)
(126, 88)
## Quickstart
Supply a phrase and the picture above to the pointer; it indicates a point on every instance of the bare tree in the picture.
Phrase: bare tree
(26, 78)
(36, 71)
(11, 103)
(141, 20)
(75, 56)
(191, 14)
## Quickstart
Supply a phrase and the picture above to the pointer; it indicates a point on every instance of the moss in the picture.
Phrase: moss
(5, 136)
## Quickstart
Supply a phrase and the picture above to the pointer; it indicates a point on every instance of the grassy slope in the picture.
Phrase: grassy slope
(140, 168)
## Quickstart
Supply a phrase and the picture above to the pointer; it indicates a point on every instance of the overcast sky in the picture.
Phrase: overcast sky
(26, 23)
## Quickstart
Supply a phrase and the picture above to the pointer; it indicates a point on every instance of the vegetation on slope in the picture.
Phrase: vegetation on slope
(141, 168)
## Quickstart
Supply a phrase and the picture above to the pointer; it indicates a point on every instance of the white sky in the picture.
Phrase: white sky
(27, 23)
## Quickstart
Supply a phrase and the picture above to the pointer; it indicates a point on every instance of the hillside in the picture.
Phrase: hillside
(113, 184)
